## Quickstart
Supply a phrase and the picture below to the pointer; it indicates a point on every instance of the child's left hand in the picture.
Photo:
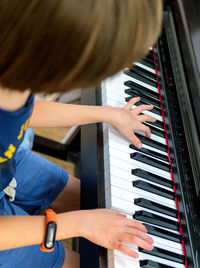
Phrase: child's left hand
(128, 120)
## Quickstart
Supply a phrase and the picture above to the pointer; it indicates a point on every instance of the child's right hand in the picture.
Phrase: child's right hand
(110, 229)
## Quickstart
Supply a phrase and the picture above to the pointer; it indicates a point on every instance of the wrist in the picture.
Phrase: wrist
(109, 114)
(69, 224)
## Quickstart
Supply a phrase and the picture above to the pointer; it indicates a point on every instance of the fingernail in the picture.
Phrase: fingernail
(136, 255)
(150, 247)
(139, 146)
(151, 240)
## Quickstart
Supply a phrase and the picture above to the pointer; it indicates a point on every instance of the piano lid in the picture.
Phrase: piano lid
(182, 24)
(186, 15)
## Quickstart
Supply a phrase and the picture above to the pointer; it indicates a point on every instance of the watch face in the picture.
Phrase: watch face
(50, 235)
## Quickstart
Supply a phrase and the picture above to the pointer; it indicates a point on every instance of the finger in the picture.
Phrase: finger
(136, 225)
(117, 213)
(138, 241)
(129, 105)
(127, 250)
(146, 130)
(135, 232)
(146, 118)
(135, 141)
(142, 108)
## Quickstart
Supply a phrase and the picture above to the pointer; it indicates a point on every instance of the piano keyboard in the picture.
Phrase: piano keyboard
(138, 182)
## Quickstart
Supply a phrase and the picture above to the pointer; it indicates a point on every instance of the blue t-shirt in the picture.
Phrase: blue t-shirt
(12, 128)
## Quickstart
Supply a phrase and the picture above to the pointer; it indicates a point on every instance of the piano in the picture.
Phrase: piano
(158, 185)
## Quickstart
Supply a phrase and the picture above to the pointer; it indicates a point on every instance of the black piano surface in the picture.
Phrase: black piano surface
(177, 54)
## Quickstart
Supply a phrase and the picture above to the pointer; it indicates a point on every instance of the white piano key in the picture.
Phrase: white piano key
(128, 177)
(159, 242)
(119, 201)
(121, 103)
(126, 77)
(125, 181)
(124, 161)
(145, 67)
(128, 150)
(143, 256)
(117, 136)
(119, 79)
(129, 196)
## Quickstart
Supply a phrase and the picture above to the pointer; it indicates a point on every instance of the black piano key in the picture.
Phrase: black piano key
(143, 97)
(156, 220)
(155, 131)
(149, 57)
(151, 153)
(144, 72)
(152, 143)
(156, 231)
(164, 254)
(152, 124)
(133, 73)
(153, 264)
(153, 189)
(152, 177)
(145, 203)
(144, 90)
(150, 161)
(150, 53)
(148, 63)
(155, 110)
(158, 124)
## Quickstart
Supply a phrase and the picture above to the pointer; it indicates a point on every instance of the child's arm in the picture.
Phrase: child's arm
(101, 226)
(54, 114)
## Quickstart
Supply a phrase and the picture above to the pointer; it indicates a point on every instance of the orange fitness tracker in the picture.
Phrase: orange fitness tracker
(50, 234)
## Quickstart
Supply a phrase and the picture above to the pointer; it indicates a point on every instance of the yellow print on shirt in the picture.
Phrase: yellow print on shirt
(23, 128)
(11, 148)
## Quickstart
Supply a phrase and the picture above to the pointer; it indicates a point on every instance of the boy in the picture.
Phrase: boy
(57, 45)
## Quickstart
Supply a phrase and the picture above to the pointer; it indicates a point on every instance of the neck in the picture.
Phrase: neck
(13, 100)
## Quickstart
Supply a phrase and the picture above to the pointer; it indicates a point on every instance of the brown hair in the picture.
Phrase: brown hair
(56, 45)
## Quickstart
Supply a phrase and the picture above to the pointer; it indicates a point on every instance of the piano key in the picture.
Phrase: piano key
(145, 67)
(124, 77)
(120, 202)
(153, 264)
(145, 203)
(152, 177)
(155, 110)
(127, 177)
(147, 217)
(125, 194)
(164, 254)
(144, 72)
(125, 162)
(134, 86)
(149, 57)
(115, 102)
(142, 256)
(133, 73)
(165, 244)
(117, 81)
(155, 131)
(153, 189)
(152, 143)
(148, 63)
(129, 148)
(115, 135)
(158, 232)
(150, 161)
(151, 153)
(144, 97)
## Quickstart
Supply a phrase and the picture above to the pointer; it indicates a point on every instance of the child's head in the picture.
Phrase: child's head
(57, 45)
